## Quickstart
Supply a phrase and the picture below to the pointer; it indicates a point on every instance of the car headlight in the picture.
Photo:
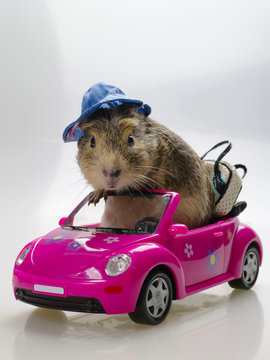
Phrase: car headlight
(23, 255)
(118, 264)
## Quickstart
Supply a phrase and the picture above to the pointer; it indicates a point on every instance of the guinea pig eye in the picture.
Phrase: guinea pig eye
(93, 142)
(131, 141)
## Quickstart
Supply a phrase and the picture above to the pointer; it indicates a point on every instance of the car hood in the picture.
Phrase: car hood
(63, 252)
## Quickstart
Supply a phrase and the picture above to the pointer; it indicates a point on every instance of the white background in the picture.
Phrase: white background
(204, 67)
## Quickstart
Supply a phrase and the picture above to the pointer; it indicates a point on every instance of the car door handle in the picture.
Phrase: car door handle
(218, 234)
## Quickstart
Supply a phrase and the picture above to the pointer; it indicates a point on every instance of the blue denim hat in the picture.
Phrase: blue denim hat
(100, 95)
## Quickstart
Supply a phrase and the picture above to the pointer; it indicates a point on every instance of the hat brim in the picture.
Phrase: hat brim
(72, 131)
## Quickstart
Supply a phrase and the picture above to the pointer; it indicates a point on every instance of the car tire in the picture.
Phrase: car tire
(250, 270)
(154, 300)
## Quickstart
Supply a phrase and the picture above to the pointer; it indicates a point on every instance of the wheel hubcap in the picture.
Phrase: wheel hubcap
(250, 268)
(157, 297)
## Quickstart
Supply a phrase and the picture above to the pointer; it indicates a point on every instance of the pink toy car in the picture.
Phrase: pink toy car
(138, 269)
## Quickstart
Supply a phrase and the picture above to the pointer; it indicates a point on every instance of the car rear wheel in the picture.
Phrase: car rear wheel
(250, 270)
(154, 301)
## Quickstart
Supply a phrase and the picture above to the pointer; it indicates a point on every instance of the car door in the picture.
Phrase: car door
(201, 253)
(229, 228)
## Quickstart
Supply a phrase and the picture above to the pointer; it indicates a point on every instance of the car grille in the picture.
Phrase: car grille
(70, 303)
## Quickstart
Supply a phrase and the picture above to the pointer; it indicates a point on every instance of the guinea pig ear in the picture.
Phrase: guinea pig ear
(74, 133)
(147, 123)
(85, 126)
(82, 129)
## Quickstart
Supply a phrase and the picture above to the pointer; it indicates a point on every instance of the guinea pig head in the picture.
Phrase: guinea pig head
(116, 151)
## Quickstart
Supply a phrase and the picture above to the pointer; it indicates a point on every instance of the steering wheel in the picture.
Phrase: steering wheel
(143, 226)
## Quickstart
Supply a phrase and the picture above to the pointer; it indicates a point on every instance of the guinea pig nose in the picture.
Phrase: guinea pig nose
(116, 173)
(111, 173)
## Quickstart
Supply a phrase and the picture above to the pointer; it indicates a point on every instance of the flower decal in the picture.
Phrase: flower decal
(212, 259)
(80, 242)
(74, 246)
(188, 250)
(111, 239)
(57, 238)
(229, 235)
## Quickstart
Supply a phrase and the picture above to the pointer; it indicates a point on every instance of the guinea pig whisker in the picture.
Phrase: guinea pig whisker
(83, 190)
(73, 171)
(76, 183)
(137, 188)
(166, 171)
(137, 185)
(130, 193)
(148, 181)
(141, 181)
(155, 168)
(87, 164)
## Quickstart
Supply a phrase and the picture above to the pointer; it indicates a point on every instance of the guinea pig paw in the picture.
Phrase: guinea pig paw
(95, 196)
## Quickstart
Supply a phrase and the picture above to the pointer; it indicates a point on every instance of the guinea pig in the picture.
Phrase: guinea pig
(123, 149)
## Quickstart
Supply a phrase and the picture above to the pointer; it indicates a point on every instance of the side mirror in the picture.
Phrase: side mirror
(62, 221)
(176, 230)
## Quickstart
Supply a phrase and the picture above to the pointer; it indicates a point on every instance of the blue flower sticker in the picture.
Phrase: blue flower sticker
(56, 238)
(74, 246)
(212, 259)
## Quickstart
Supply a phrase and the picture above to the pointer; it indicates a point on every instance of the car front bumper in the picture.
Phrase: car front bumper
(112, 296)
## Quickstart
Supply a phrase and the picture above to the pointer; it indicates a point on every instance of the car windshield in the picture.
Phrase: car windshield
(120, 213)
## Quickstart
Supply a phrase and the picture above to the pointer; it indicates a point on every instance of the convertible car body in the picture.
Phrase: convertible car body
(137, 269)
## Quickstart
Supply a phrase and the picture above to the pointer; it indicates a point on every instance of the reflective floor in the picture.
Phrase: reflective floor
(218, 325)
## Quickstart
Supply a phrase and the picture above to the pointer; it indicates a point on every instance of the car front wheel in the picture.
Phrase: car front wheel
(154, 301)
(250, 270)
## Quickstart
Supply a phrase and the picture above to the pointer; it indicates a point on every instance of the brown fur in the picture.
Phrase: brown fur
(159, 159)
